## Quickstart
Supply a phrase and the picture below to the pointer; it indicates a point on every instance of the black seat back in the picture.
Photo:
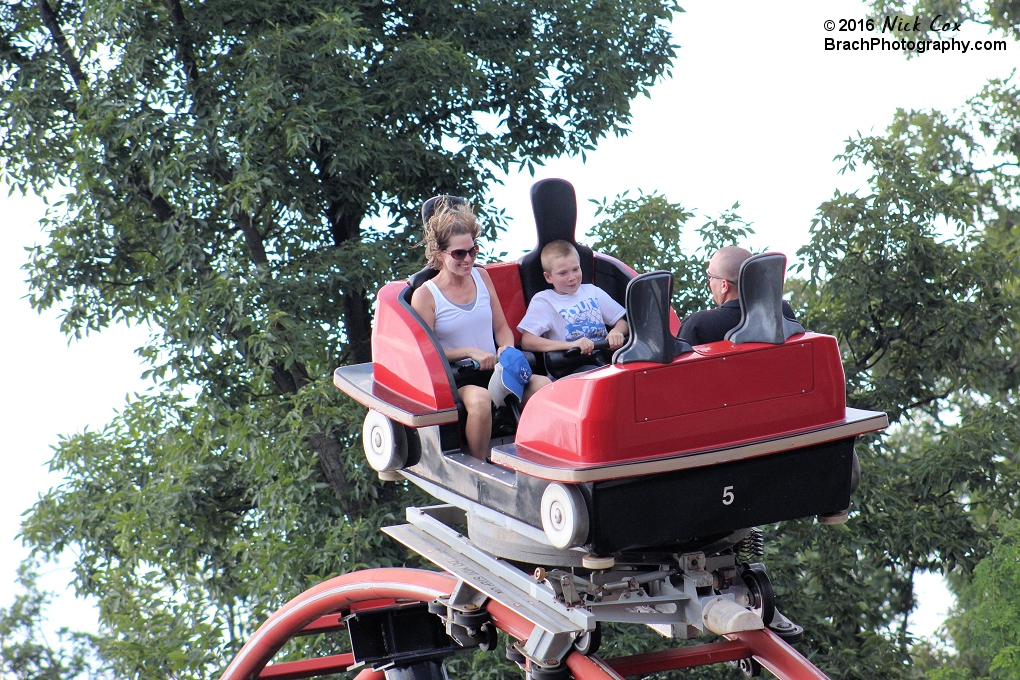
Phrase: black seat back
(429, 207)
(760, 287)
(555, 207)
(648, 314)
(418, 279)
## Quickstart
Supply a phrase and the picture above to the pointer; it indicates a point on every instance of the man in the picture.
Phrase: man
(711, 325)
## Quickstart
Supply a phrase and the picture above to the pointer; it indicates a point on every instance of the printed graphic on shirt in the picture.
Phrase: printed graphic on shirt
(584, 320)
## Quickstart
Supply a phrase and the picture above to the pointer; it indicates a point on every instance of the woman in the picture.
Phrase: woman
(460, 305)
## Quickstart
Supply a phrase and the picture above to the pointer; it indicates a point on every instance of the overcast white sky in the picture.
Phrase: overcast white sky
(755, 112)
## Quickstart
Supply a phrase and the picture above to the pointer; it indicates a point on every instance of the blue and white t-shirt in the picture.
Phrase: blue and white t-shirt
(586, 313)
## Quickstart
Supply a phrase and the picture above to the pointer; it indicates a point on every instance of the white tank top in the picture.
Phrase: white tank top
(456, 327)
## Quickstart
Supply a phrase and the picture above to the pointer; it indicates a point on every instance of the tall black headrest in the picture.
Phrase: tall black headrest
(554, 204)
(648, 314)
(429, 208)
(555, 207)
(760, 287)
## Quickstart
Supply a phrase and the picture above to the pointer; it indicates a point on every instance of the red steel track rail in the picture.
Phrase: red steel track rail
(318, 609)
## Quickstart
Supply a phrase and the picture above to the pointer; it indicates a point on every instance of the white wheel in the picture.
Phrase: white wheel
(564, 516)
(384, 441)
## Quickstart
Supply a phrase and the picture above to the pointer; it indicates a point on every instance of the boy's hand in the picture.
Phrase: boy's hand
(584, 344)
(615, 340)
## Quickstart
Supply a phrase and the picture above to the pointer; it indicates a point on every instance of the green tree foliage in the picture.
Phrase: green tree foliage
(983, 388)
(917, 276)
(986, 627)
(241, 177)
(25, 653)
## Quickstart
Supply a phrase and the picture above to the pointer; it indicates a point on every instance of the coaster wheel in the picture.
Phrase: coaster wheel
(589, 643)
(385, 442)
(763, 598)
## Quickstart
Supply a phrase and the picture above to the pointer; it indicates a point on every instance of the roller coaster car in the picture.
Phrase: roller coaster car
(669, 450)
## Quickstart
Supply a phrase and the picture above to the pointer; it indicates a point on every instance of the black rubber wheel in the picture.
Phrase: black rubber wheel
(514, 654)
(560, 672)
(763, 597)
(472, 619)
(588, 643)
(855, 473)
(749, 667)
(788, 631)
(490, 638)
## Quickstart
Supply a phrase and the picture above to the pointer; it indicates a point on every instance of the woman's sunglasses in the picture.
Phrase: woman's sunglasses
(459, 254)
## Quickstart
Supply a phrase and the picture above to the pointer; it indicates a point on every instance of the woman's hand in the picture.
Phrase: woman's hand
(486, 361)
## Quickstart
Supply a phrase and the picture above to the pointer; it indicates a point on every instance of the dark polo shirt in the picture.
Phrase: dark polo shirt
(711, 325)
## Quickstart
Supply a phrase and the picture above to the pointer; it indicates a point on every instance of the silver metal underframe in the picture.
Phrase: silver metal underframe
(562, 614)
(486, 513)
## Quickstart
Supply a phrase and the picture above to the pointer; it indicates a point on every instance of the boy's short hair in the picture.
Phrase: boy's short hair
(556, 249)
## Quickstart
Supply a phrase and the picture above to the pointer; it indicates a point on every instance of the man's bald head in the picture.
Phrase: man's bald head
(724, 268)
(727, 260)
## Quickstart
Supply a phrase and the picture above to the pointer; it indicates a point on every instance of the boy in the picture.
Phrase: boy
(572, 314)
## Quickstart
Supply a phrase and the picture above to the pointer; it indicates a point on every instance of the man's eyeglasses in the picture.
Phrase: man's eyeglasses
(711, 276)
(459, 254)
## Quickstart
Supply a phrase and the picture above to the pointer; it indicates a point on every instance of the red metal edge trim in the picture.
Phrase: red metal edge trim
(323, 624)
(307, 668)
(680, 657)
(785, 662)
(331, 596)
(590, 668)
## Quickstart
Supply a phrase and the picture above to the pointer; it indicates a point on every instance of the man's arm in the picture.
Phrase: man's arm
(689, 331)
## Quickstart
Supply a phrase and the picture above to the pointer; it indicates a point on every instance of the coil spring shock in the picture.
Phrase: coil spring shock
(751, 546)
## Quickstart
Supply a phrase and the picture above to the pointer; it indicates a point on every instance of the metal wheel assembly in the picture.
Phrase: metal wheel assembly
(385, 443)
(564, 515)
(763, 597)
(588, 643)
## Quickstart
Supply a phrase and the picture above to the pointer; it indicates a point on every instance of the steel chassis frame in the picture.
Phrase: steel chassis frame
(535, 623)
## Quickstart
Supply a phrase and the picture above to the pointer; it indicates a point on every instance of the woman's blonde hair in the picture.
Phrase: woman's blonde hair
(448, 221)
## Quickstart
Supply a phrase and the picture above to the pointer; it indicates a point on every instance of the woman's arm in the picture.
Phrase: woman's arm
(423, 303)
(500, 328)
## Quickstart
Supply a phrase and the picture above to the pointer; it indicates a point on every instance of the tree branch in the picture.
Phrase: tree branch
(185, 50)
(159, 205)
(330, 455)
(49, 18)
(252, 237)
(927, 400)
(345, 226)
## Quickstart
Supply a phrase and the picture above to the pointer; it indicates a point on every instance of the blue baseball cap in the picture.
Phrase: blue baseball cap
(510, 376)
